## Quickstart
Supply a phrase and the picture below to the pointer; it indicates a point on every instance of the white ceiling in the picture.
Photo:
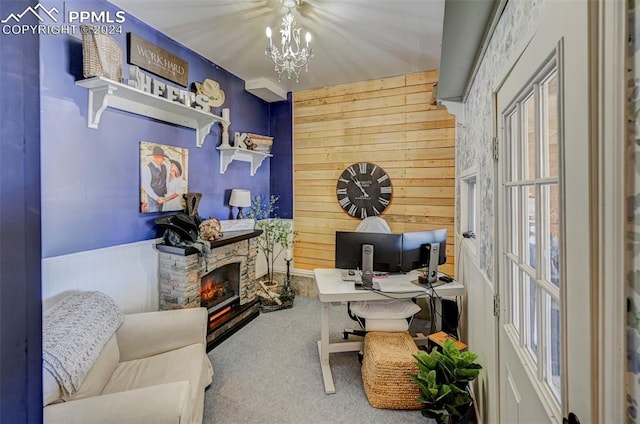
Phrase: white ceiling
(353, 40)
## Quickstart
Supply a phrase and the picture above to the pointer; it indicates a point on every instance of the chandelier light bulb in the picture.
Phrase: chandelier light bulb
(268, 32)
(308, 38)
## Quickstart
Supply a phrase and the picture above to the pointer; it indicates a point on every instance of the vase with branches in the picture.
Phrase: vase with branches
(277, 235)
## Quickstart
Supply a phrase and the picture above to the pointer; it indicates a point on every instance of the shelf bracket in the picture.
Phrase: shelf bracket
(228, 154)
(98, 102)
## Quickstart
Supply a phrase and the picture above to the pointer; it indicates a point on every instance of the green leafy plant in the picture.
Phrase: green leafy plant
(443, 379)
(277, 235)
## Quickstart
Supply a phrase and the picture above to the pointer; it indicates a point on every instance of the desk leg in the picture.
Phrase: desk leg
(323, 349)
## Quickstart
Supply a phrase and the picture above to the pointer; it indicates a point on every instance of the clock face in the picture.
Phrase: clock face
(364, 189)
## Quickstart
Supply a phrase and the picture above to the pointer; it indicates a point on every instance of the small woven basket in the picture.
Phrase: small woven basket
(388, 361)
(101, 55)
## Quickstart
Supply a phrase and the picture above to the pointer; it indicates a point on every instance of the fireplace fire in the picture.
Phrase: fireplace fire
(220, 287)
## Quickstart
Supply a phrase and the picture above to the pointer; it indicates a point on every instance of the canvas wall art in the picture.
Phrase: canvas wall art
(164, 178)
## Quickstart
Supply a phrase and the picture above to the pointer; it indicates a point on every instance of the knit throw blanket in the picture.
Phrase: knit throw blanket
(75, 330)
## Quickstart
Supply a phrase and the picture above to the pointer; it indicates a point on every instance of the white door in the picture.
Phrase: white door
(544, 241)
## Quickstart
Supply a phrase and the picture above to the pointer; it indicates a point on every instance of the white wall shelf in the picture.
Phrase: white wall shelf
(105, 93)
(228, 154)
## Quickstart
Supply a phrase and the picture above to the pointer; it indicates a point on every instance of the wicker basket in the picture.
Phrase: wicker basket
(388, 361)
(101, 55)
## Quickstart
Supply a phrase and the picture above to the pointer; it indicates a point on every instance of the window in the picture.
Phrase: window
(532, 245)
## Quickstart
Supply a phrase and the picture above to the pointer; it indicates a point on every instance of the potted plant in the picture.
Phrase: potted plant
(277, 236)
(443, 379)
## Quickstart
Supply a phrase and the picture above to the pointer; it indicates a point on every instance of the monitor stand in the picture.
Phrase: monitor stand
(367, 266)
(432, 256)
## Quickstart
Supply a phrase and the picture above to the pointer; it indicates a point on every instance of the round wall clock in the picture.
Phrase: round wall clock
(364, 189)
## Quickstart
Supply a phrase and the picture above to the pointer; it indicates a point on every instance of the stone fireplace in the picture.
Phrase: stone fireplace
(223, 281)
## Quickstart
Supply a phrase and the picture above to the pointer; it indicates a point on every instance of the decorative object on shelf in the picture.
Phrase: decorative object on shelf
(138, 79)
(277, 237)
(239, 140)
(156, 60)
(291, 58)
(163, 177)
(254, 142)
(241, 199)
(192, 200)
(225, 127)
(443, 378)
(101, 54)
(364, 189)
(228, 154)
(210, 229)
(161, 102)
(211, 89)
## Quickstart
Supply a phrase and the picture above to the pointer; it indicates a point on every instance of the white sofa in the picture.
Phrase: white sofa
(154, 369)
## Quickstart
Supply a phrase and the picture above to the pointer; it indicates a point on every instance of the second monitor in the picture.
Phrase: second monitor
(414, 253)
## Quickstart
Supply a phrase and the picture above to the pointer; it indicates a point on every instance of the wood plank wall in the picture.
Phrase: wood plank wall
(388, 122)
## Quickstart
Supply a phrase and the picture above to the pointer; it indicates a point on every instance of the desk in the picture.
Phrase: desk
(331, 288)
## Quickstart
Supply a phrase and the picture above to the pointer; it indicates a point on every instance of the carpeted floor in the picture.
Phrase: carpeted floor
(269, 372)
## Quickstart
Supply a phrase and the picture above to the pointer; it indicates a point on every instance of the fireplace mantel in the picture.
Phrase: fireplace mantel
(227, 238)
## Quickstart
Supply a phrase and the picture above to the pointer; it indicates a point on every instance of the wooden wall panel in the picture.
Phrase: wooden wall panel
(388, 122)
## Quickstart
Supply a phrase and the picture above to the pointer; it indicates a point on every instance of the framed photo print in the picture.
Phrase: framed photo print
(164, 172)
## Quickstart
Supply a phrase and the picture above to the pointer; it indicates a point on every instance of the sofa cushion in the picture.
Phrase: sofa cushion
(177, 365)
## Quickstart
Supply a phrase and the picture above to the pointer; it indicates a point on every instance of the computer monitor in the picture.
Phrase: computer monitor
(414, 253)
(387, 250)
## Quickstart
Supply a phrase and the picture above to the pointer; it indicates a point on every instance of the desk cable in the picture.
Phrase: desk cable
(433, 294)
(432, 305)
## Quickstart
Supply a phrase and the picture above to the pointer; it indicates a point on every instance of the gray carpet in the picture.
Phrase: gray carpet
(269, 372)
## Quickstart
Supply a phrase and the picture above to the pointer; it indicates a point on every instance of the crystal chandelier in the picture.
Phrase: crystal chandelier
(292, 57)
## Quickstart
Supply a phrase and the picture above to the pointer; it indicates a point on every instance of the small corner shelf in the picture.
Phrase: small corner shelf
(229, 153)
(105, 93)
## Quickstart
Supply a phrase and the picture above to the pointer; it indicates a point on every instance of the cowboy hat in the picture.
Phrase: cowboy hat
(157, 151)
(181, 224)
(211, 89)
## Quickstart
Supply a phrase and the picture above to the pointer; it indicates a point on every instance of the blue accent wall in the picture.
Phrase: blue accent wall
(66, 188)
(20, 304)
(90, 177)
(281, 163)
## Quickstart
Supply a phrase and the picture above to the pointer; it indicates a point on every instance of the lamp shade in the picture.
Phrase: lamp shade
(240, 198)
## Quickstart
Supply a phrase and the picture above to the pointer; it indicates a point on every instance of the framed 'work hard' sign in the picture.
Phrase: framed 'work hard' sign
(156, 60)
